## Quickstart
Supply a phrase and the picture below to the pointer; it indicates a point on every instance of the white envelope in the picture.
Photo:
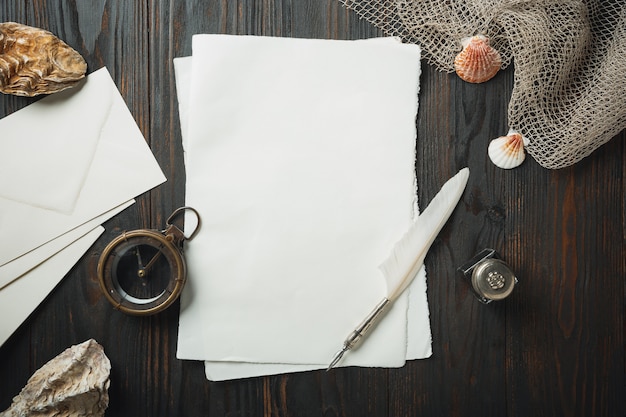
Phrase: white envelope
(21, 298)
(15, 269)
(122, 166)
(48, 265)
(49, 146)
(314, 343)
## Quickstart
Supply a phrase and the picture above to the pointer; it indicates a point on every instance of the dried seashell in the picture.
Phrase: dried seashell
(33, 61)
(478, 61)
(75, 383)
(507, 151)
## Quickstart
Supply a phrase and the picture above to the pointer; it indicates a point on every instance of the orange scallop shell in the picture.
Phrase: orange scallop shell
(478, 61)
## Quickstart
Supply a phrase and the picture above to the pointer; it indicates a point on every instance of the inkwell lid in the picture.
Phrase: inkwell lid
(493, 279)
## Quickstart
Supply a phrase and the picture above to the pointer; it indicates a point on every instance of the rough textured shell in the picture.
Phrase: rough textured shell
(478, 61)
(33, 61)
(507, 151)
(75, 383)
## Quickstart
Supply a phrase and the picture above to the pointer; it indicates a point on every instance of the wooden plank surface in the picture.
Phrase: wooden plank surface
(554, 348)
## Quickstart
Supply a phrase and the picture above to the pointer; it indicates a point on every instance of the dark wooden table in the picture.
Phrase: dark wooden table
(554, 348)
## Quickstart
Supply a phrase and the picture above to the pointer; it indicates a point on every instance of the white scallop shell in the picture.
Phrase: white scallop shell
(508, 151)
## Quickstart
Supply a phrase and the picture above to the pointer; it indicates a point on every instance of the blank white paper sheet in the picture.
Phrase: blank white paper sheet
(300, 157)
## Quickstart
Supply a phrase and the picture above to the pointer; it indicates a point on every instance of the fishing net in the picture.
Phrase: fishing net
(569, 92)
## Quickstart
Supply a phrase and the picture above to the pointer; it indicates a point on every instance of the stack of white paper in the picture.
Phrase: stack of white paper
(300, 158)
(71, 161)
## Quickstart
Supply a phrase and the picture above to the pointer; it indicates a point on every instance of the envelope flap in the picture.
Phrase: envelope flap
(48, 146)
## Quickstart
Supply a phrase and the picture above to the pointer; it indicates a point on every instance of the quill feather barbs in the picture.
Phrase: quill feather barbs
(409, 253)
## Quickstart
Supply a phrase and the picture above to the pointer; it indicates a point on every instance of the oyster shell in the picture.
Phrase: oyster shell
(508, 151)
(75, 383)
(478, 61)
(33, 61)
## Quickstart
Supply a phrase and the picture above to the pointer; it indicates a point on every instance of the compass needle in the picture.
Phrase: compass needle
(139, 260)
(152, 262)
(141, 272)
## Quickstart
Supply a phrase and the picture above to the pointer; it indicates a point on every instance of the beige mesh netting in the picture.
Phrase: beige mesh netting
(569, 58)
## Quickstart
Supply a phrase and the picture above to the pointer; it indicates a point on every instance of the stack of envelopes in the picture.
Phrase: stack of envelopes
(300, 157)
(70, 161)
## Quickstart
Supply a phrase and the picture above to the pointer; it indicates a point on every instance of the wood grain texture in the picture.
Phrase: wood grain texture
(554, 348)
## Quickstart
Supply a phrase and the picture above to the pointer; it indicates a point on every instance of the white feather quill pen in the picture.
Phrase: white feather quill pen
(408, 255)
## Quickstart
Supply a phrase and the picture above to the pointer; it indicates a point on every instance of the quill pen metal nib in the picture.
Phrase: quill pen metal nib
(407, 256)
(361, 331)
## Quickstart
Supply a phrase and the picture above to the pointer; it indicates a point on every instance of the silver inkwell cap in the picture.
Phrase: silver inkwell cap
(493, 279)
(490, 278)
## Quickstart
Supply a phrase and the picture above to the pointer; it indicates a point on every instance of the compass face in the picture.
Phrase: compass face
(141, 272)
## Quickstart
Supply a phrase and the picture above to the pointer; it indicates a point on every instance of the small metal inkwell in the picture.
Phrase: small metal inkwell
(489, 276)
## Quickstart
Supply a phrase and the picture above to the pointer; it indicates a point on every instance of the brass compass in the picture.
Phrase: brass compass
(142, 272)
